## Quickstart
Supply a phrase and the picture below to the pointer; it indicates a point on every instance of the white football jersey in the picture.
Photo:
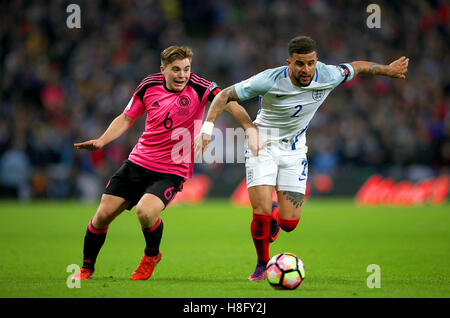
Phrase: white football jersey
(285, 109)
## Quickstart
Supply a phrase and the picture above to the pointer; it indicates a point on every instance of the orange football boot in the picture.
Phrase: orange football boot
(145, 268)
(83, 274)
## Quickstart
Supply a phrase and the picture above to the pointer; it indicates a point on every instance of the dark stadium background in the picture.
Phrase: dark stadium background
(61, 85)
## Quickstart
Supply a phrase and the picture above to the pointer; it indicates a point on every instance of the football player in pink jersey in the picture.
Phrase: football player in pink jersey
(149, 179)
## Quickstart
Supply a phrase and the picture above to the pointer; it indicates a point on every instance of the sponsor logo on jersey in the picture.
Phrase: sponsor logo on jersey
(318, 94)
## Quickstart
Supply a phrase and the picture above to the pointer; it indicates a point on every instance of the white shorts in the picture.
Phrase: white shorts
(279, 166)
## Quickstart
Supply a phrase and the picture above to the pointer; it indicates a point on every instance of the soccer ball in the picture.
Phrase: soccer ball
(285, 271)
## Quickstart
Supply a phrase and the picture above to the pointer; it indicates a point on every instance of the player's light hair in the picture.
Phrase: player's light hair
(301, 45)
(173, 53)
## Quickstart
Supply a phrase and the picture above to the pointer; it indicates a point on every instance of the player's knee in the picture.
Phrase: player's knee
(147, 213)
(102, 218)
(261, 209)
(288, 225)
(108, 209)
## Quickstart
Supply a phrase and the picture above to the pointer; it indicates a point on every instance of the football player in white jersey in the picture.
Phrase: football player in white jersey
(289, 97)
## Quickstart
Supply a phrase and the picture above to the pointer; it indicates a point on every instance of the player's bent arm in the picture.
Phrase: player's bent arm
(240, 115)
(217, 107)
(396, 69)
(220, 102)
(255, 142)
(117, 127)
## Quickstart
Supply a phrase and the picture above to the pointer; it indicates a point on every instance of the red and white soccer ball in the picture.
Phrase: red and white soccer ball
(285, 271)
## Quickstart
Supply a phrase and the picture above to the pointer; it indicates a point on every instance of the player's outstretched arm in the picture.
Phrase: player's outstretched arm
(396, 69)
(117, 127)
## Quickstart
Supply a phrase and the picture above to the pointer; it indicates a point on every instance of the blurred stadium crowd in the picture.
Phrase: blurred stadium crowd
(61, 85)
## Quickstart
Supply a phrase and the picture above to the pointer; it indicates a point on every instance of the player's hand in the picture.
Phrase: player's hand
(91, 145)
(201, 142)
(398, 68)
(255, 141)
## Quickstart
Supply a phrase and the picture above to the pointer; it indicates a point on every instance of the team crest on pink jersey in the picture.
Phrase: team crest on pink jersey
(183, 103)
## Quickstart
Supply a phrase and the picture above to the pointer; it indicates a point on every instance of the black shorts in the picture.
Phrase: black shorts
(132, 181)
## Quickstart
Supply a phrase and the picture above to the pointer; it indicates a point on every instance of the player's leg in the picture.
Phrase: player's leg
(148, 211)
(291, 188)
(110, 207)
(122, 192)
(159, 194)
(261, 201)
(289, 209)
(275, 228)
(261, 173)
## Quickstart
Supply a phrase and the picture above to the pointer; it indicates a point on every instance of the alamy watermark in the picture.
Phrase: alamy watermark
(70, 282)
(374, 19)
(374, 279)
(73, 20)
(228, 147)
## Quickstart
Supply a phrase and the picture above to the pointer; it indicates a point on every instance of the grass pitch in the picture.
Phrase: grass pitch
(208, 252)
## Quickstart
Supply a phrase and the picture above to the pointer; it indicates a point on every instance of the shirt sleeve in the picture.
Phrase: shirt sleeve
(338, 74)
(135, 107)
(257, 85)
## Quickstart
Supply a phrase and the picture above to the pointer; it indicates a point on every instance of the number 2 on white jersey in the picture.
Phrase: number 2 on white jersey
(303, 174)
(298, 110)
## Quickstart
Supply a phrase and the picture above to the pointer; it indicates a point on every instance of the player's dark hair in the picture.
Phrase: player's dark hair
(173, 53)
(301, 45)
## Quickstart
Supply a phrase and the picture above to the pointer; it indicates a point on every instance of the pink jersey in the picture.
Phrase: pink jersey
(166, 144)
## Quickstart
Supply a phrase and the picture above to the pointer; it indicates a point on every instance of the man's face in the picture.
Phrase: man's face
(302, 68)
(177, 74)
